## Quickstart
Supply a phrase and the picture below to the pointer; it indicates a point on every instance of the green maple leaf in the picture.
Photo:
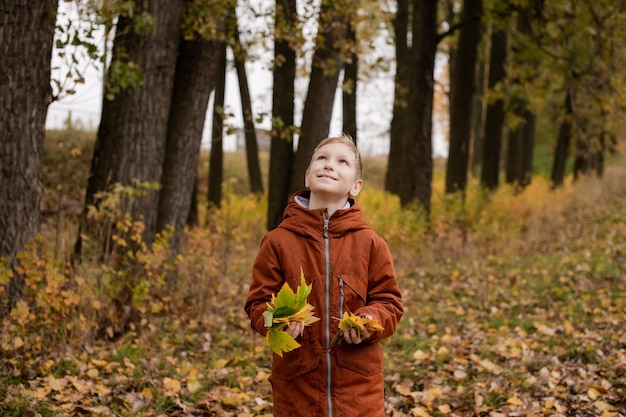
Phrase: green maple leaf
(287, 306)
(280, 341)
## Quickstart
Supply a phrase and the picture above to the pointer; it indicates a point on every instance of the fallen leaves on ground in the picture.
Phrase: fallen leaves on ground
(533, 334)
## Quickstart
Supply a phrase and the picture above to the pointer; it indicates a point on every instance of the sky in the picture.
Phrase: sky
(374, 108)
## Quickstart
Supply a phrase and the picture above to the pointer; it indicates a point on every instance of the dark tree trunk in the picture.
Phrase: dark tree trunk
(462, 89)
(350, 83)
(26, 36)
(522, 137)
(216, 158)
(318, 106)
(494, 121)
(478, 122)
(528, 148)
(418, 168)
(283, 94)
(195, 79)
(397, 140)
(561, 152)
(513, 168)
(130, 144)
(252, 148)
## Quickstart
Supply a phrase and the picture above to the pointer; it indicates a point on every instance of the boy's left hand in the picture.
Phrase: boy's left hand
(353, 336)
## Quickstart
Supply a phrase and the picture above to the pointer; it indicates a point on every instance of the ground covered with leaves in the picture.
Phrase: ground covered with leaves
(529, 324)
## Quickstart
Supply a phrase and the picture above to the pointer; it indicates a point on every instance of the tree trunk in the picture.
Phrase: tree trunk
(398, 147)
(283, 94)
(350, 83)
(26, 37)
(561, 152)
(478, 116)
(130, 143)
(195, 79)
(494, 121)
(528, 148)
(418, 168)
(216, 158)
(462, 89)
(252, 149)
(513, 168)
(326, 65)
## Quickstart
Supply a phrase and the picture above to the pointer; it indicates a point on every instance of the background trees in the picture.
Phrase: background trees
(554, 69)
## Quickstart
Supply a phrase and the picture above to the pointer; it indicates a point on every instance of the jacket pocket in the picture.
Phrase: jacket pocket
(354, 292)
(295, 364)
(365, 359)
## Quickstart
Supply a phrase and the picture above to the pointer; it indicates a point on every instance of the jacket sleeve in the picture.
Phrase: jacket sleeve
(384, 300)
(267, 279)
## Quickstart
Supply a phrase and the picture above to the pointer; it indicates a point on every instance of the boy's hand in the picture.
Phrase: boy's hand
(352, 335)
(295, 329)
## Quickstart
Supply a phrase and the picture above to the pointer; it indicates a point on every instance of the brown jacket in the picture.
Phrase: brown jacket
(350, 269)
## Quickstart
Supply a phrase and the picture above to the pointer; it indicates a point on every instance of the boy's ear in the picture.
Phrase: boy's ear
(306, 176)
(356, 188)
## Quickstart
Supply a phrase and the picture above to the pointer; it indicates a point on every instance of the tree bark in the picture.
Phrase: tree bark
(462, 90)
(478, 116)
(283, 94)
(252, 148)
(561, 151)
(494, 121)
(350, 84)
(326, 65)
(130, 143)
(194, 81)
(216, 158)
(26, 38)
(398, 147)
(418, 168)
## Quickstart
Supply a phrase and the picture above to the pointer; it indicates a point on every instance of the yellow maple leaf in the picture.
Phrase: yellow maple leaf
(358, 322)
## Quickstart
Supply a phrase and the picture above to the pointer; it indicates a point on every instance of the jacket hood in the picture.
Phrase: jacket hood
(310, 223)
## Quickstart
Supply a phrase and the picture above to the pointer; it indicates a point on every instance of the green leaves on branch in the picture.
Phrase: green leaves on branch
(287, 307)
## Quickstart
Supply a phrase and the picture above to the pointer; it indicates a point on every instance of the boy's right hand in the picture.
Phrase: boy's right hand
(295, 329)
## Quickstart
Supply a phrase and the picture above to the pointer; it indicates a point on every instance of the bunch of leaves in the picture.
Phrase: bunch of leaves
(287, 307)
(359, 323)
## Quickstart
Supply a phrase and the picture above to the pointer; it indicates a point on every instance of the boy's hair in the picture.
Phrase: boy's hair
(346, 140)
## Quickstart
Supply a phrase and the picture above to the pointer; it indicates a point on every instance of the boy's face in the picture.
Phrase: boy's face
(332, 172)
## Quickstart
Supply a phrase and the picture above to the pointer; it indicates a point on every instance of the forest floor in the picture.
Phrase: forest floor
(491, 328)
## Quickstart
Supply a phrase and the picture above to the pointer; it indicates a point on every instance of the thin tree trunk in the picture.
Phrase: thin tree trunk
(528, 148)
(494, 121)
(513, 167)
(462, 89)
(252, 149)
(478, 122)
(283, 94)
(417, 186)
(350, 83)
(26, 37)
(398, 147)
(563, 143)
(216, 158)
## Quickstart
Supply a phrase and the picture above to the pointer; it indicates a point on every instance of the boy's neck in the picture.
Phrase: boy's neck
(317, 201)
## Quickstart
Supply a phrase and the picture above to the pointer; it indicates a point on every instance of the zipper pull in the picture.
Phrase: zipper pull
(325, 226)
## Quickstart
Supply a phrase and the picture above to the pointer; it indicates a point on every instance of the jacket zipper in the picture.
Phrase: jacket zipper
(341, 298)
(329, 399)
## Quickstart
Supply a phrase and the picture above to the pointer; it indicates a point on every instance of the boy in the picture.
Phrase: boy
(351, 270)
